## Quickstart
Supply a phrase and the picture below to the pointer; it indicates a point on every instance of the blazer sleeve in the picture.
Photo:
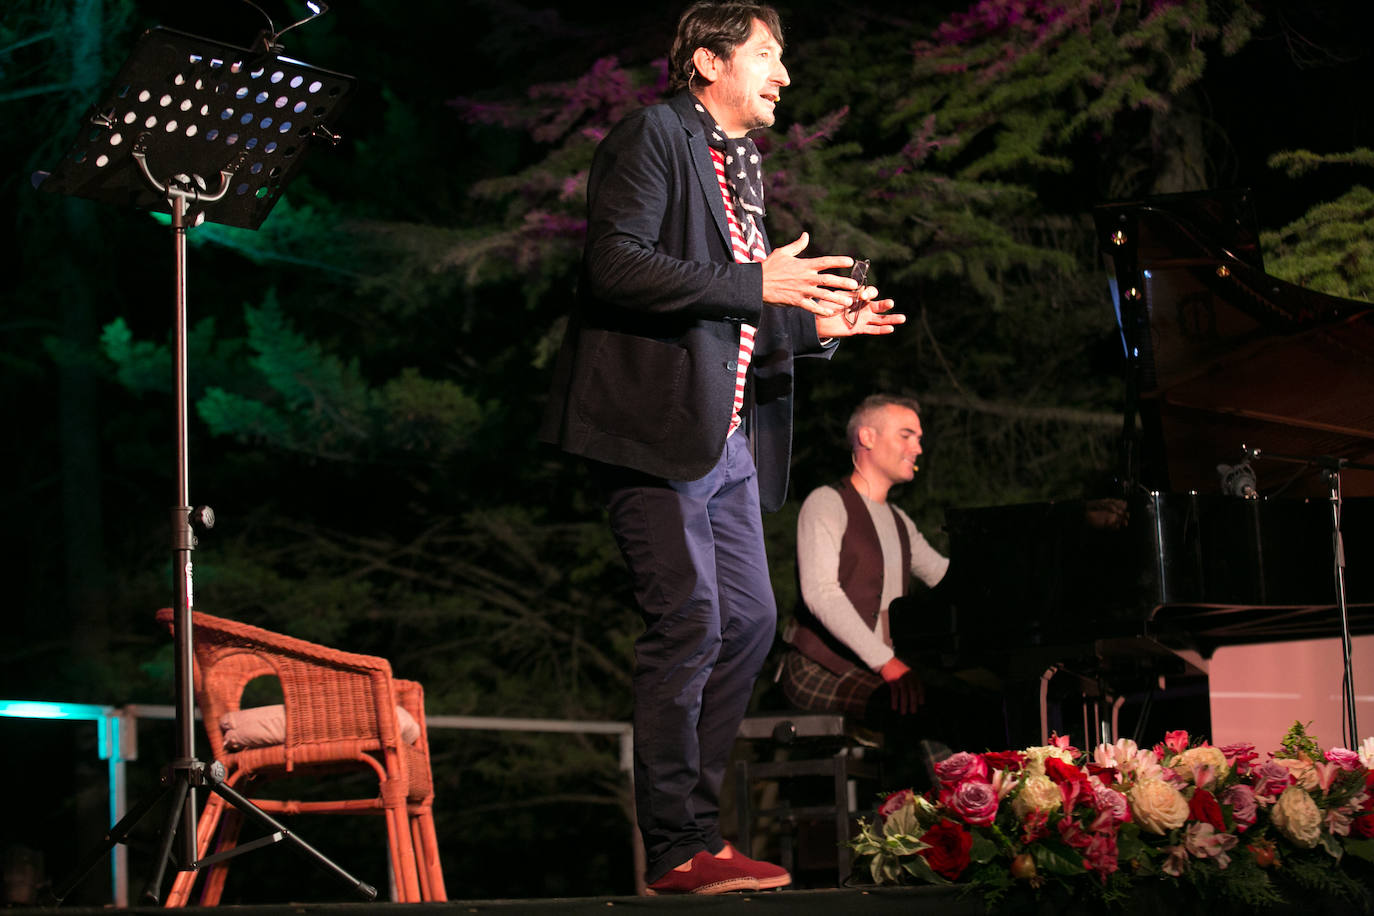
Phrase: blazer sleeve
(644, 198)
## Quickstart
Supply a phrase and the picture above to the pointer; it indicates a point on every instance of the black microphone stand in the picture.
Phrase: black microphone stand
(1331, 468)
(198, 107)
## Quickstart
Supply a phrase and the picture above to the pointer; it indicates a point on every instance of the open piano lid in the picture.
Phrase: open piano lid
(1221, 355)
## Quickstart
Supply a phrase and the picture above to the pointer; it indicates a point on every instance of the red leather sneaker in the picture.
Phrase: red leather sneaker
(708, 875)
(767, 874)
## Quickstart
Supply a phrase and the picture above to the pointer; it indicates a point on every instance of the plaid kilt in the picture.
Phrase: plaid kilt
(809, 685)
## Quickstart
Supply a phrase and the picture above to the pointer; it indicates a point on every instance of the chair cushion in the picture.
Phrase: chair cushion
(264, 726)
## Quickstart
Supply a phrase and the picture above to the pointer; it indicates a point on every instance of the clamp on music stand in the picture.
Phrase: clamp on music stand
(180, 108)
(1331, 468)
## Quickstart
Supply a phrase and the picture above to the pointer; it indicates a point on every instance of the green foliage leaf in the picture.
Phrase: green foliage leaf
(1053, 858)
(984, 850)
(920, 869)
(139, 365)
(1360, 848)
(1330, 248)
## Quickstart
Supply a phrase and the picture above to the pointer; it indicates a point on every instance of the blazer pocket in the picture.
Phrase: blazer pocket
(633, 387)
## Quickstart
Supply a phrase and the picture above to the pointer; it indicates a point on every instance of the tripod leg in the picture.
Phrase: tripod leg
(282, 832)
(181, 792)
(184, 883)
(117, 834)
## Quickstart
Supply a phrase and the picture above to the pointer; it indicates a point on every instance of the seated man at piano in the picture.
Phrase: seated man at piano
(856, 553)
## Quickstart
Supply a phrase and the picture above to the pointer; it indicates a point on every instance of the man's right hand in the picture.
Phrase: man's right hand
(906, 689)
(802, 282)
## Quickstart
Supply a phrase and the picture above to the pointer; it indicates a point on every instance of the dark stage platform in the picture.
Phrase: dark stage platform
(1179, 900)
(908, 901)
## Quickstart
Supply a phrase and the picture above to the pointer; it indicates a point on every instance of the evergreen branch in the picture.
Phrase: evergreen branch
(25, 42)
(31, 91)
(1299, 162)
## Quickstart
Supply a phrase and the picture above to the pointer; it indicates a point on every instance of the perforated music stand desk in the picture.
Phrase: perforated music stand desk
(199, 108)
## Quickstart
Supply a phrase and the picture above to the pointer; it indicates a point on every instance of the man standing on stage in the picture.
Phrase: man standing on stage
(675, 380)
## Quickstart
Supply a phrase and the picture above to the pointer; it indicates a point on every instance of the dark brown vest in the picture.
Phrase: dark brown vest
(861, 580)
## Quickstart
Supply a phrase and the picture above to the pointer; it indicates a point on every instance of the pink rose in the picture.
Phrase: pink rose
(1240, 756)
(1304, 773)
(975, 802)
(1112, 802)
(894, 803)
(1244, 809)
(961, 767)
(1270, 781)
(1343, 758)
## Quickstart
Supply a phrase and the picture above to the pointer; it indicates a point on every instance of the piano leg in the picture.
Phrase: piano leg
(1100, 707)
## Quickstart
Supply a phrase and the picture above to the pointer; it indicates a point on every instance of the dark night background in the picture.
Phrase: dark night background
(395, 502)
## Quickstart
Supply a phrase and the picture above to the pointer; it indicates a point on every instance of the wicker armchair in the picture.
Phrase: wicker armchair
(340, 713)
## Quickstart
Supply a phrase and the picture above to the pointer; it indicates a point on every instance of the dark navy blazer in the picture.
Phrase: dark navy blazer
(646, 374)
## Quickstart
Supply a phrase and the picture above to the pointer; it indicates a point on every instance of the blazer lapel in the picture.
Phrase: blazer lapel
(701, 162)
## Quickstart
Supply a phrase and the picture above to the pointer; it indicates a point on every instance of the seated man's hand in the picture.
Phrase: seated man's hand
(904, 685)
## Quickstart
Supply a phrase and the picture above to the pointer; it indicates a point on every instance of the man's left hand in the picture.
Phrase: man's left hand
(876, 317)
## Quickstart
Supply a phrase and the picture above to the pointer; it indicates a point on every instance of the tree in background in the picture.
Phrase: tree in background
(368, 368)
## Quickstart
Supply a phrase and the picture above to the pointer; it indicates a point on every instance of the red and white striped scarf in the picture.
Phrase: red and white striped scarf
(746, 243)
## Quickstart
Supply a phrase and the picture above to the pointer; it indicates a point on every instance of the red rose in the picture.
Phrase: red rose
(1203, 807)
(1363, 825)
(949, 849)
(1061, 772)
(1011, 761)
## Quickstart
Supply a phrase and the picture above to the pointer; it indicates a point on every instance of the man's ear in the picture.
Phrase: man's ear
(866, 436)
(708, 66)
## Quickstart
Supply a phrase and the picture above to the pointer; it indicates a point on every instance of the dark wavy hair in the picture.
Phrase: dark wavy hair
(719, 28)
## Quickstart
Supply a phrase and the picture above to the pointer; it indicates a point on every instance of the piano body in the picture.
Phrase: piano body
(1219, 355)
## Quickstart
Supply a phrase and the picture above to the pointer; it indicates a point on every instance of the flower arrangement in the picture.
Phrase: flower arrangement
(1215, 820)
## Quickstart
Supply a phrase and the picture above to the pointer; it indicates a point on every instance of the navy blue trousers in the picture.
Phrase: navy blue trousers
(696, 558)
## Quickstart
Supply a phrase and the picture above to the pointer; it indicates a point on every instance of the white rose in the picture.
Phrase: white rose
(1297, 817)
(1158, 806)
(1038, 793)
(1185, 764)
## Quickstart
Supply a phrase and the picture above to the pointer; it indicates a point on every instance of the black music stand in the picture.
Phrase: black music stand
(182, 108)
(1331, 468)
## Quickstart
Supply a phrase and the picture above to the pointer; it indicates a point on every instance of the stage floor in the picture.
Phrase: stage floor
(908, 901)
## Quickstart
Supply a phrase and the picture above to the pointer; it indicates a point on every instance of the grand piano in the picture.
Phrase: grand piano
(1076, 608)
